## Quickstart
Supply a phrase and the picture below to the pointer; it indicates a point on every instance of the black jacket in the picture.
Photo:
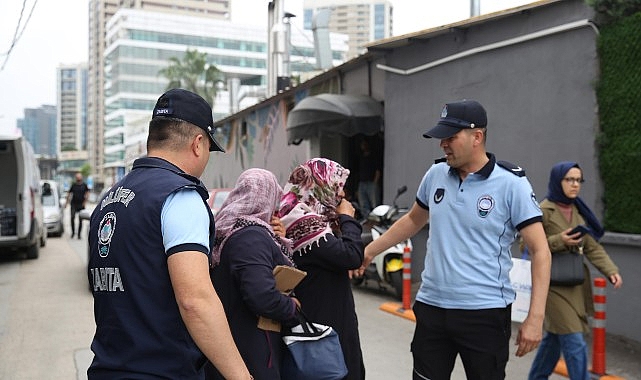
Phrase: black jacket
(245, 284)
(326, 293)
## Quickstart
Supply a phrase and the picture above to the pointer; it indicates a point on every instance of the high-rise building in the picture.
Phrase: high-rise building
(139, 43)
(362, 20)
(72, 118)
(72, 107)
(100, 11)
(39, 128)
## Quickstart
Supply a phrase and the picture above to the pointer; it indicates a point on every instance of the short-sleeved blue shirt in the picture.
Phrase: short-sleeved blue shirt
(184, 221)
(473, 224)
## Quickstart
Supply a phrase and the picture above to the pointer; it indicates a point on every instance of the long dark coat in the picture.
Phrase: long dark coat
(326, 293)
(245, 284)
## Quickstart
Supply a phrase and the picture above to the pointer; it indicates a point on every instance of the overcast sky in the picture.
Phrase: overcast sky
(56, 33)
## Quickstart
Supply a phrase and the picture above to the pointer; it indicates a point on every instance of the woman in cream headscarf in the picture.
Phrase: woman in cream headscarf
(327, 244)
(246, 250)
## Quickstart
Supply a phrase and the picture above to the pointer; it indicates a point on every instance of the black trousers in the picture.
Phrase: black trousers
(75, 209)
(480, 337)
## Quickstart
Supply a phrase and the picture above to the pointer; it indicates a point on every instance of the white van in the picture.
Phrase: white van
(21, 216)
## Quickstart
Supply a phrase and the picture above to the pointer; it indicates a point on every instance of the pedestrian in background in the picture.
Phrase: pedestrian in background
(246, 251)
(475, 206)
(327, 244)
(369, 178)
(568, 307)
(77, 199)
(157, 313)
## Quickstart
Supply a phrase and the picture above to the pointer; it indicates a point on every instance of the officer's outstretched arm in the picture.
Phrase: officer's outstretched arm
(404, 228)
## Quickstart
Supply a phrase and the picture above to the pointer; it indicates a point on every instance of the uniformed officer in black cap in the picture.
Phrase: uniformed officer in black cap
(157, 314)
(475, 206)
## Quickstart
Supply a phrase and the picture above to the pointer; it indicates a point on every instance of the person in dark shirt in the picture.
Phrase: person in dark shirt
(327, 244)
(77, 198)
(369, 178)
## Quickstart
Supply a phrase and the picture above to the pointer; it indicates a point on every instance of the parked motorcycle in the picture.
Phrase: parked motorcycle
(387, 267)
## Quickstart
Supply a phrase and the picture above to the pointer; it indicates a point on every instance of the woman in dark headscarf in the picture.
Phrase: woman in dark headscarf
(327, 244)
(568, 307)
(246, 251)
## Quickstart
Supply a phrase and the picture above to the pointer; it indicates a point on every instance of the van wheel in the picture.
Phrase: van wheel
(33, 252)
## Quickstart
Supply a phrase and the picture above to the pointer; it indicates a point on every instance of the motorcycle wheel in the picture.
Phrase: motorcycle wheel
(396, 279)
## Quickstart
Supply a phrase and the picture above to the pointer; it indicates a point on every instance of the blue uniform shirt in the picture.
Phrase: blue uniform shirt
(184, 221)
(473, 224)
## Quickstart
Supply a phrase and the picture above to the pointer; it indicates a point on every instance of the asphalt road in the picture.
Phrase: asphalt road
(46, 323)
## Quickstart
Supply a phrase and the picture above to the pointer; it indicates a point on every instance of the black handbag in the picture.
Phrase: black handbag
(567, 269)
(313, 352)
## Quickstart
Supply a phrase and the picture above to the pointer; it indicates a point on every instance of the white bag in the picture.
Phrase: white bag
(521, 279)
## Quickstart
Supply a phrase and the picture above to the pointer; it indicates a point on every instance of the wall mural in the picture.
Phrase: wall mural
(258, 139)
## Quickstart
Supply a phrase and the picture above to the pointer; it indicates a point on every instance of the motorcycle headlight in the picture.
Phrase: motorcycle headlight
(394, 265)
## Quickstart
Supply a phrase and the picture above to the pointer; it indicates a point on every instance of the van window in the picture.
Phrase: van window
(49, 200)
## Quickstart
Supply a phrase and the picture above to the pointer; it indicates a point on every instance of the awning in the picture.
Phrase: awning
(330, 114)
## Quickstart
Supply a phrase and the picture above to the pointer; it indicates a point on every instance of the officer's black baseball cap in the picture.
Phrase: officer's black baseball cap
(192, 108)
(464, 114)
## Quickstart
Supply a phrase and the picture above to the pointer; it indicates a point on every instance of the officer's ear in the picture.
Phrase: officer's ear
(200, 144)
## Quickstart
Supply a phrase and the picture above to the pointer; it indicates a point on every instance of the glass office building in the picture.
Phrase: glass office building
(140, 43)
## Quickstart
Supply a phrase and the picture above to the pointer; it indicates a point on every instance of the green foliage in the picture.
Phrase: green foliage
(85, 170)
(619, 98)
(194, 74)
(610, 11)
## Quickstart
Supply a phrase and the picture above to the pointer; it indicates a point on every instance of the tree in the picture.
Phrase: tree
(193, 74)
(609, 11)
(85, 170)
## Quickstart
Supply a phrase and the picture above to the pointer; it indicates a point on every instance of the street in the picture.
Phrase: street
(46, 322)
(46, 316)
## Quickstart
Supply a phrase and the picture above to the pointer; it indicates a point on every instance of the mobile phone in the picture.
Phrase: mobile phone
(580, 228)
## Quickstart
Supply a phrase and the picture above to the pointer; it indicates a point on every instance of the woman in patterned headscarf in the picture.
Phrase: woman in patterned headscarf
(246, 250)
(327, 244)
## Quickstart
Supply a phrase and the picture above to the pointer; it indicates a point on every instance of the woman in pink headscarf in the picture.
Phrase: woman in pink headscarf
(327, 244)
(246, 250)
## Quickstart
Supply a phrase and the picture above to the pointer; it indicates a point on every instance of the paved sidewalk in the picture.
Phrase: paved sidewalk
(385, 339)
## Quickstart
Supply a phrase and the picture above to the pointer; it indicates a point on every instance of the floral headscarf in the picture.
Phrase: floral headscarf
(308, 206)
(252, 202)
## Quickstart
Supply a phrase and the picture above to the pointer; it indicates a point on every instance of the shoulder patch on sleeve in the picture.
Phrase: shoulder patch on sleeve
(439, 160)
(510, 167)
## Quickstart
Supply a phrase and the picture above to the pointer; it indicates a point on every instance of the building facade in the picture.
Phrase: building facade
(72, 107)
(72, 119)
(139, 43)
(100, 12)
(39, 128)
(363, 21)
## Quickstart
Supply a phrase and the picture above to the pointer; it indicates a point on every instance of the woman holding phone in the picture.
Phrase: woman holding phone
(570, 225)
